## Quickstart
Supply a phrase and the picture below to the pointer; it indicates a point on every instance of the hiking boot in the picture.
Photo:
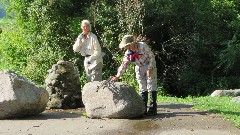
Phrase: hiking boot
(153, 103)
(144, 96)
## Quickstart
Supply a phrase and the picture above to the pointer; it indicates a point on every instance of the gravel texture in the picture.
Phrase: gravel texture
(172, 119)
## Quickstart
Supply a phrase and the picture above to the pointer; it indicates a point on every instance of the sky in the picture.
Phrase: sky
(2, 12)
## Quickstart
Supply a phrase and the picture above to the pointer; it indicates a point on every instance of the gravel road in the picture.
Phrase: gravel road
(172, 119)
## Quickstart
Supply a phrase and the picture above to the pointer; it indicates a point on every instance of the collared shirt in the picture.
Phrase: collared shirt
(89, 46)
(146, 57)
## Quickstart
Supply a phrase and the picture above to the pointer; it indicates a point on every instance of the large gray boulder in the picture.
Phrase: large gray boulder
(235, 92)
(107, 99)
(20, 97)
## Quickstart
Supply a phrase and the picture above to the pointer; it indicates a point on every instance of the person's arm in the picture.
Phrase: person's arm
(97, 51)
(78, 44)
(122, 68)
(152, 59)
(150, 55)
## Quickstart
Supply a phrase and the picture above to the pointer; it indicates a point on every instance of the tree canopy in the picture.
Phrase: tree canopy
(196, 42)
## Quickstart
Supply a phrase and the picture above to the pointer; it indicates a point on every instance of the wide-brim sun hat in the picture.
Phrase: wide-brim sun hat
(126, 40)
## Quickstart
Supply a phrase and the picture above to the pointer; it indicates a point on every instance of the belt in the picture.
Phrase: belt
(87, 55)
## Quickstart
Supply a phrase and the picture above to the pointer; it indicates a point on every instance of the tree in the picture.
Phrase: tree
(195, 42)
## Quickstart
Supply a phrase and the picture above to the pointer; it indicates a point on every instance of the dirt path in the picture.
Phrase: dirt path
(172, 119)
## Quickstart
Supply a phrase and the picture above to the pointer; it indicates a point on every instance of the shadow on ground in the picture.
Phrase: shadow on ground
(165, 110)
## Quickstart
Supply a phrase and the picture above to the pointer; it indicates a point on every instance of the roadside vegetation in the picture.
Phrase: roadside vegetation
(218, 105)
(196, 43)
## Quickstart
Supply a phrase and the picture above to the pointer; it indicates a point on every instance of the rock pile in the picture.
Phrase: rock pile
(63, 86)
(217, 93)
(232, 92)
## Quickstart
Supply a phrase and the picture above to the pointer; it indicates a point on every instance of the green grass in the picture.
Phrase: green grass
(217, 105)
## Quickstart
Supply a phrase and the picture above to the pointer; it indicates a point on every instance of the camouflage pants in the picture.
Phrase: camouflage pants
(146, 84)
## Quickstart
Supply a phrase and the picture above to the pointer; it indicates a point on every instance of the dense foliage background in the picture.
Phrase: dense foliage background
(196, 42)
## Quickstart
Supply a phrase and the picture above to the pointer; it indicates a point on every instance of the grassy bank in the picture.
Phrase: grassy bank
(217, 105)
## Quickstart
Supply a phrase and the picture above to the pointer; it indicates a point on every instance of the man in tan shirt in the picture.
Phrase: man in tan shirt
(87, 44)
